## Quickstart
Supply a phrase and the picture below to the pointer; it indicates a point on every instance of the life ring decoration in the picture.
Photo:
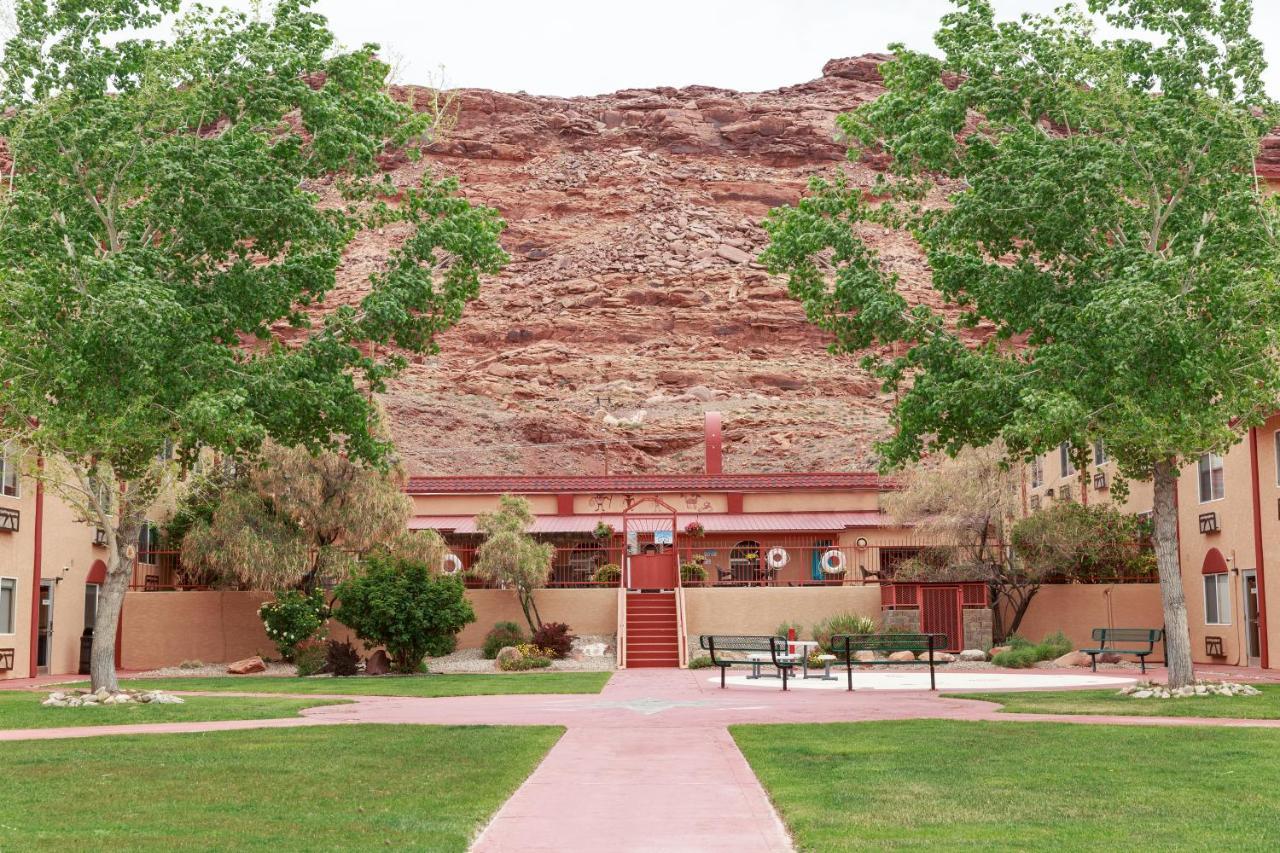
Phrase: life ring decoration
(833, 562)
(452, 564)
(777, 558)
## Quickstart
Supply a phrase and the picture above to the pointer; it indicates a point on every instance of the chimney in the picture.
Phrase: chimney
(714, 443)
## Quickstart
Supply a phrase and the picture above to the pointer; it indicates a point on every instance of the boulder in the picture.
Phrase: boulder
(246, 666)
(864, 657)
(902, 656)
(995, 650)
(377, 663)
(507, 656)
(1072, 659)
(938, 657)
(973, 654)
(1109, 657)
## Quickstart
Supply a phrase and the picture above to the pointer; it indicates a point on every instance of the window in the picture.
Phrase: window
(1037, 472)
(1064, 459)
(1099, 453)
(8, 594)
(10, 477)
(90, 605)
(1212, 484)
(1217, 599)
(148, 543)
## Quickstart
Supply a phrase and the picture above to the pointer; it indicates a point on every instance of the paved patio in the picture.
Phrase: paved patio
(648, 763)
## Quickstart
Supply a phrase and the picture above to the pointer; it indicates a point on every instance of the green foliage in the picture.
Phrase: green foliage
(500, 636)
(783, 627)
(512, 557)
(700, 662)
(1022, 657)
(841, 623)
(555, 638)
(1075, 541)
(692, 572)
(310, 656)
(292, 618)
(528, 656)
(1023, 653)
(1056, 645)
(402, 605)
(341, 658)
(609, 573)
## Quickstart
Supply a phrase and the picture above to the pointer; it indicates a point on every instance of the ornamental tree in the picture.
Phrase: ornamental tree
(172, 216)
(1104, 261)
(511, 557)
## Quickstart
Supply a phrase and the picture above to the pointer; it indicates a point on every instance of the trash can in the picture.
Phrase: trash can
(86, 650)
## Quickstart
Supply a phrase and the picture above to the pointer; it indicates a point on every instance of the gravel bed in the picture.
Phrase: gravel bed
(276, 668)
(473, 660)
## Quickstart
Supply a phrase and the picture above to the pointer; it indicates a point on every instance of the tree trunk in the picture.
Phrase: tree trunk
(102, 658)
(1020, 609)
(1177, 636)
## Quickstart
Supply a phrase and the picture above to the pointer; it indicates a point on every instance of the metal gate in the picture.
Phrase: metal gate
(940, 613)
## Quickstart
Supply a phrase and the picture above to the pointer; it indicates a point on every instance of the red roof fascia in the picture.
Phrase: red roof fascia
(750, 522)
(642, 483)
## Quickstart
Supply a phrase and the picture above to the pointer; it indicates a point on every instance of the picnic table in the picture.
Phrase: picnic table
(802, 652)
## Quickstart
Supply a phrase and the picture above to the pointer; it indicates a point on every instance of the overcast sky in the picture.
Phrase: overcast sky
(585, 47)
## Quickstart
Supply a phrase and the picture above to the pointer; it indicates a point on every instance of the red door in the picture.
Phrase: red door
(652, 571)
(940, 614)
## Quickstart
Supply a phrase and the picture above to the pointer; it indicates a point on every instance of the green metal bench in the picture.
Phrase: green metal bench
(1141, 642)
(845, 646)
(762, 651)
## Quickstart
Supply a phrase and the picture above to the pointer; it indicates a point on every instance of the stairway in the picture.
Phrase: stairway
(652, 630)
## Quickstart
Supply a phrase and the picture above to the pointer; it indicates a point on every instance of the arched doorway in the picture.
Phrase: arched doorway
(744, 560)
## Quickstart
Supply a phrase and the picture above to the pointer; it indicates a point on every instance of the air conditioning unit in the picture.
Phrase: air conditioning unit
(1209, 522)
(9, 520)
(1100, 480)
(1035, 503)
(99, 537)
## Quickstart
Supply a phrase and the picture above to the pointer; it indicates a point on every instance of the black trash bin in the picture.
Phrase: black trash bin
(86, 650)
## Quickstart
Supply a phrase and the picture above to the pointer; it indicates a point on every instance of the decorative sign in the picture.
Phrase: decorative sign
(663, 537)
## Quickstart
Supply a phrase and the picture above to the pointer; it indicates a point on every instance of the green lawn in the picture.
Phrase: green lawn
(1019, 786)
(20, 709)
(1264, 707)
(359, 787)
(407, 685)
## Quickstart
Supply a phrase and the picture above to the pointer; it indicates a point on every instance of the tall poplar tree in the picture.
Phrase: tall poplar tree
(1103, 258)
(173, 212)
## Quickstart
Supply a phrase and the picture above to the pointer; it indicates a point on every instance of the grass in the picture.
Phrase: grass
(1264, 707)
(406, 685)
(356, 787)
(1019, 786)
(20, 709)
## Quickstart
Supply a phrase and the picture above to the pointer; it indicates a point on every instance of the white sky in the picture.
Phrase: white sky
(584, 47)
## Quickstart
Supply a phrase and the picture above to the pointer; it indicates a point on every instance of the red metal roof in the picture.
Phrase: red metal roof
(643, 483)
(721, 522)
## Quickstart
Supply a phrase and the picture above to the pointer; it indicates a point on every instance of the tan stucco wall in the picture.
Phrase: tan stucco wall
(16, 554)
(810, 501)
(586, 611)
(1076, 609)
(759, 610)
(474, 504)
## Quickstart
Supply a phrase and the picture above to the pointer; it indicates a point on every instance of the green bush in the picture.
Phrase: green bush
(399, 603)
(1017, 641)
(783, 627)
(692, 572)
(293, 618)
(522, 664)
(501, 635)
(1023, 654)
(608, 573)
(1018, 658)
(700, 662)
(309, 657)
(842, 623)
(1056, 645)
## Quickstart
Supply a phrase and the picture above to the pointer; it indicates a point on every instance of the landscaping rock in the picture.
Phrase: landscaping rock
(506, 655)
(247, 666)
(938, 657)
(1073, 659)
(995, 650)
(377, 663)
(864, 657)
(1108, 657)
(1206, 689)
(973, 654)
(902, 656)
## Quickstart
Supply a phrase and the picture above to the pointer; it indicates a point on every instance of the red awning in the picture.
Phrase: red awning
(724, 522)
(1214, 563)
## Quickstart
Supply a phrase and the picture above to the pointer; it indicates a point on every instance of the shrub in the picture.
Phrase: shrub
(397, 602)
(692, 572)
(292, 618)
(842, 623)
(501, 635)
(1017, 641)
(1056, 645)
(309, 656)
(190, 664)
(1020, 657)
(781, 630)
(555, 638)
(700, 662)
(1023, 654)
(608, 573)
(342, 658)
(521, 664)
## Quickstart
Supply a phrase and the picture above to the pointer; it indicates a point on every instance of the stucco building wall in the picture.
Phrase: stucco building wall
(1076, 609)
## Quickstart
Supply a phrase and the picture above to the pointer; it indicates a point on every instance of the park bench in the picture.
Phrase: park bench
(759, 650)
(1132, 641)
(845, 646)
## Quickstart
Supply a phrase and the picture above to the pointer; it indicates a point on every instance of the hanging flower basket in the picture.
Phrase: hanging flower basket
(695, 529)
(604, 531)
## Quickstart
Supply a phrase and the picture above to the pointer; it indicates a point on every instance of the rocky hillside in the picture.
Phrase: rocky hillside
(632, 303)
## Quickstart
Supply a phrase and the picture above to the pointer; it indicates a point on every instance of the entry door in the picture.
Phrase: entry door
(44, 628)
(1251, 634)
(940, 614)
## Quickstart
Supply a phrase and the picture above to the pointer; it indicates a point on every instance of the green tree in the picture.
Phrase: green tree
(1104, 263)
(172, 216)
(404, 605)
(511, 557)
(1095, 542)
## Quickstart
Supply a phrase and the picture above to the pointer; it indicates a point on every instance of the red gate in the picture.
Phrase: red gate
(940, 613)
(657, 569)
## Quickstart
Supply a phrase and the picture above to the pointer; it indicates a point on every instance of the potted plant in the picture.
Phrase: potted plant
(695, 529)
(603, 530)
(692, 572)
(609, 573)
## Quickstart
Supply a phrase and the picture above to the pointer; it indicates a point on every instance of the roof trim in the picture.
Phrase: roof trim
(650, 483)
